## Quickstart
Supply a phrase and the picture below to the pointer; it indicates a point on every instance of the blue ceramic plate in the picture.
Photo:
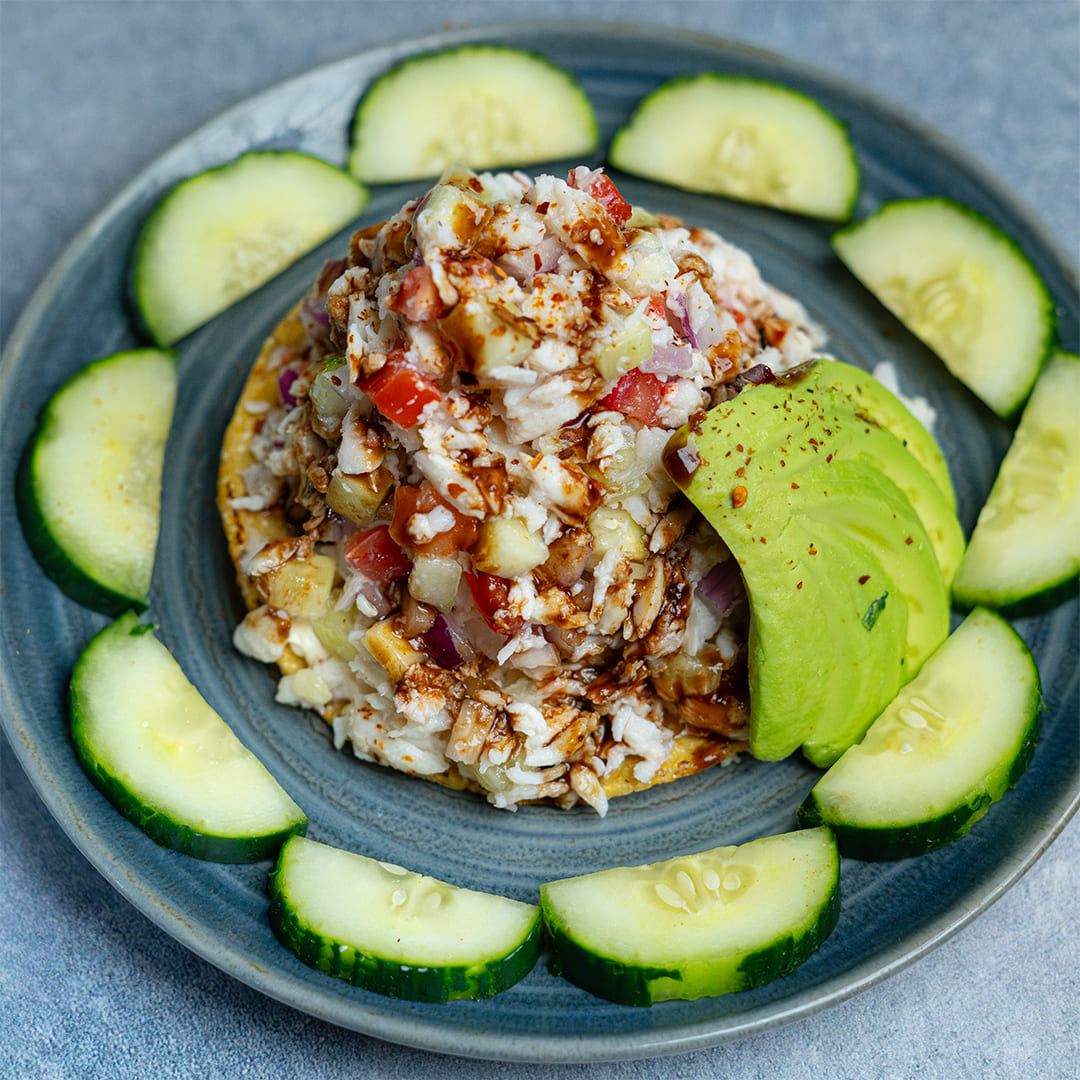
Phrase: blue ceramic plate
(892, 913)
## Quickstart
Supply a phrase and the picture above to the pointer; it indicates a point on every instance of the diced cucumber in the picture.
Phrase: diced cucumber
(477, 105)
(397, 932)
(89, 483)
(166, 760)
(697, 925)
(955, 280)
(744, 138)
(1024, 554)
(953, 741)
(218, 236)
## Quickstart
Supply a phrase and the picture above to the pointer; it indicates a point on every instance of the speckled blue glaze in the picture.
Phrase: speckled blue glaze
(892, 913)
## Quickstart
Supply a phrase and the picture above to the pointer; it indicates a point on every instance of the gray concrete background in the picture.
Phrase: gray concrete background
(92, 91)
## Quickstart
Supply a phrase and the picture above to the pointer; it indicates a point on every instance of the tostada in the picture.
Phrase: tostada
(443, 491)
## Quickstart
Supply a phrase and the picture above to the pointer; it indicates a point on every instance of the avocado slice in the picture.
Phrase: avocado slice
(828, 625)
(888, 411)
(886, 421)
(821, 507)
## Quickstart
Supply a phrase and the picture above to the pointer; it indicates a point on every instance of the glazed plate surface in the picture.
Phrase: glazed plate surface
(892, 913)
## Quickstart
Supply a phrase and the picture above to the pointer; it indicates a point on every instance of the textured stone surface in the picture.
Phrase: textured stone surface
(91, 92)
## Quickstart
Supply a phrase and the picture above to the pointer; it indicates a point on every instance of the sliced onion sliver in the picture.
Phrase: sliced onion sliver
(536, 661)
(709, 331)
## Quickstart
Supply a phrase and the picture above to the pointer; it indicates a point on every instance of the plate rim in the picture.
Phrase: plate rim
(533, 1047)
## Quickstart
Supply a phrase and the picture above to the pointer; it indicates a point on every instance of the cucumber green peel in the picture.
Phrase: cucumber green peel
(1024, 553)
(219, 235)
(953, 742)
(165, 759)
(743, 138)
(89, 484)
(717, 922)
(482, 106)
(397, 932)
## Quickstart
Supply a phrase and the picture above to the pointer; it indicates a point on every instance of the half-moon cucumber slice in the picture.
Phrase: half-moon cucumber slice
(956, 281)
(218, 236)
(954, 740)
(744, 138)
(165, 759)
(482, 106)
(1024, 554)
(397, 932)
(697, 925)
(89, 483)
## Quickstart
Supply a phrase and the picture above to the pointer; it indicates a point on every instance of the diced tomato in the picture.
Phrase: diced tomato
(422, 500)
(604, 191)
(399, 391)
(638, 394)
(417, 297)
(607, 195)
(492, 594)
(375, 555)
(656, 310)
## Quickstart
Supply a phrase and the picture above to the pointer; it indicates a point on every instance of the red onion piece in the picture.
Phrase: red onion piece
(702, 326)
(439, 642)
(285, 380)
(525, 264)
(331, 270)
(669, 359)
(707, 331)
(314, 318)
(723, 585)
(677, 304)
(758, 375)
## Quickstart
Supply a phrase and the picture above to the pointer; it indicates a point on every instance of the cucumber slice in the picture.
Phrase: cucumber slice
(748, 139)
(956, 281)
(396, 932)
(165, 759)
(1024, 554)
(477, 105)
(89, 482)
(953, 741)
(218, 236)
(698, 925)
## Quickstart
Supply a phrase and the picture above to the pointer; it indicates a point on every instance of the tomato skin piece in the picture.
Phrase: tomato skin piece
(491, 594)
(417, 296)
(422, 500)
(604, 191)
(656, 311)
(399, 391)
(638, 395)
(374, 553)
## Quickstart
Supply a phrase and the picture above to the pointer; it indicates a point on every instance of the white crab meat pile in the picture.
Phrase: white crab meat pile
(489, 573)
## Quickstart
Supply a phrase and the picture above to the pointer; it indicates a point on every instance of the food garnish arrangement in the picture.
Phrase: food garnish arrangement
(544, 496)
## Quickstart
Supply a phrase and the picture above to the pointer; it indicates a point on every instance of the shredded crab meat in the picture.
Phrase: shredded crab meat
(485, 387)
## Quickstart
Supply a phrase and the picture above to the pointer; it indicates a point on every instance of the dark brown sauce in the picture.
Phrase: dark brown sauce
(681, 459)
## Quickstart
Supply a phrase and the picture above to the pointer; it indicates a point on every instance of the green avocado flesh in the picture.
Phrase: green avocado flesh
(833, 522)
(889, 412)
